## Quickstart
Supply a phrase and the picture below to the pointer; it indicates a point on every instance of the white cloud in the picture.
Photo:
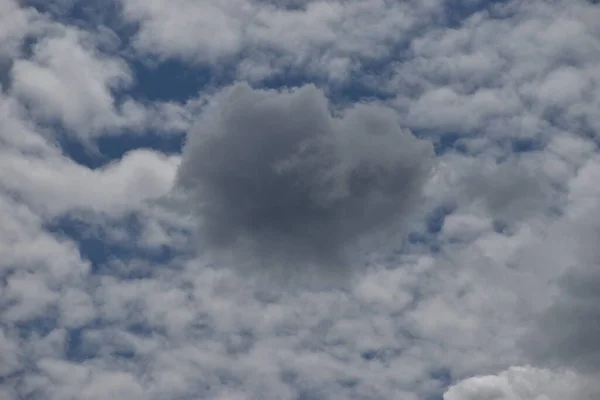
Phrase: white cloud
(30, 295)
(14, 22)
(57, 185)
(523, 383)
(203, 31)
(26, 247)
(522, 75)
(18, 132)
(76, 78)
(323, 37)
(68, 82)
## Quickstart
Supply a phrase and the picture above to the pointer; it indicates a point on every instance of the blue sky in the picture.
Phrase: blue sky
(299, 199)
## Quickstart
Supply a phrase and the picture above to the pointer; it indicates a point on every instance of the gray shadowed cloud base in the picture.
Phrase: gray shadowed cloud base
(569, 331)
(281, 183)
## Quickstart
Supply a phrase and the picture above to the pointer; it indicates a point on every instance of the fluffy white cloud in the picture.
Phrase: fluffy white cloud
(74, 78)
(14, 21)
(68, 82)
(58, 185)
(517, 71)
(523, 383)
(323, 37)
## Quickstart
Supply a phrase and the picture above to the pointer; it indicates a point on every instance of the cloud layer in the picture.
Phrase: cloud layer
(106, 291)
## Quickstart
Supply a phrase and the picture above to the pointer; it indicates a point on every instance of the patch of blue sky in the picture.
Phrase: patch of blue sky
(79, 346)
(426, 236)
(516, 146)
(40, 326)
(525, 145)
(446, 141)
(358, 86)
(86, 14)
(443, 377)
(108, 148)
(169, 80)
(380, 355)
(172, 80)
(74, 348)
(94, 245)
(456, 11)
(435, 220)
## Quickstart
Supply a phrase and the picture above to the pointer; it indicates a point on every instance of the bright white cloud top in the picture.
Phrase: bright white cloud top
(423, 174)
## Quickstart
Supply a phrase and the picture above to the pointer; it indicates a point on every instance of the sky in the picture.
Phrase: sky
(299, 199)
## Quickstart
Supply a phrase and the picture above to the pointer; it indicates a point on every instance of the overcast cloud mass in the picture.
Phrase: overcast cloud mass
(299, 199)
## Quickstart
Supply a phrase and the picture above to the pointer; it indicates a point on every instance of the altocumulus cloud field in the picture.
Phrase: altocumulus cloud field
(244, 199)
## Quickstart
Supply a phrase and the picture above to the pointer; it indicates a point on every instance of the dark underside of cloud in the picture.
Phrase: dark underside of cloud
(568, 333)
(277, 180)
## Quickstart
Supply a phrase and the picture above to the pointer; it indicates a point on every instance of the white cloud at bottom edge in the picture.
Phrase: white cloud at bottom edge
(525, 383)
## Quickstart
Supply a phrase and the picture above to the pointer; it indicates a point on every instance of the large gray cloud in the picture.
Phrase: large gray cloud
(567, 332)
(275, 174)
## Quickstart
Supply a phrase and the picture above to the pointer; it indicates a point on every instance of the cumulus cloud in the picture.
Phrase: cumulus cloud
(327, 38)
(34, 169)
(528, 75)
(277, 174)
(75, 78)
(69, 82)
(524, 383)
(116, 188)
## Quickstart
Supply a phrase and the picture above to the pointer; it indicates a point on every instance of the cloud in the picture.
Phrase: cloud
(511, 71)
(69, 82)
(566, 333)
(217, 27)
(75, 81)
(14, 21)
(327, 38)
(508, 190)
(34, 170)
(524, 383)
(121, 186)
(151, 320)
(276, 173)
